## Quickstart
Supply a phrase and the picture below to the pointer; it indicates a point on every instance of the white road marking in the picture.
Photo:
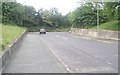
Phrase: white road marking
(62, 37)
(65, 38)
(104, 41)
(82, 37)
(91, 39)
(76, 69)
(86, 38)
(57, 35)
(66, 66)
(108, 63)
(97, 40)
(94, 69)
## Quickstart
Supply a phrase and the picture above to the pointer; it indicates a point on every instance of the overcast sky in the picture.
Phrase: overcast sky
(64, 6)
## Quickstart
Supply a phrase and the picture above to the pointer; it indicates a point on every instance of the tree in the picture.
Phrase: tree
(38, 19)
(17, 13)
(85, 16)
(111, 10)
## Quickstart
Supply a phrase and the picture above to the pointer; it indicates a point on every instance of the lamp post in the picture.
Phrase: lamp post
(97, 15)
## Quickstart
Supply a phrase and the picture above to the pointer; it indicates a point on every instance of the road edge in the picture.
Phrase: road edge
(6, 55)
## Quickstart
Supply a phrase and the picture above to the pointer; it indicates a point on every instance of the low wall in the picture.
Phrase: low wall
(103, 34)
(6, 55)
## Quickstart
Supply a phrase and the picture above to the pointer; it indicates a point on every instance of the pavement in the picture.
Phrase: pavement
(62, 52)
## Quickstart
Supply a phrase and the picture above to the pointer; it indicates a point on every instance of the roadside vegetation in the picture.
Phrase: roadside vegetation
(37, 29)
(59, 30)
(113, 25)
(85, 16)
(10, 33)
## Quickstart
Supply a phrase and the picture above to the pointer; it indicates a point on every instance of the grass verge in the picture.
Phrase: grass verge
(113, 25)
(9, 34)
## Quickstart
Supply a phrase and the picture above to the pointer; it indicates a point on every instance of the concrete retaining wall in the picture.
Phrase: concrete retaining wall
(104, 34)
(5, 57)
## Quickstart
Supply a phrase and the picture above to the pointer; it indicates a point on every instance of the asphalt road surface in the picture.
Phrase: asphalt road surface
(61, 52)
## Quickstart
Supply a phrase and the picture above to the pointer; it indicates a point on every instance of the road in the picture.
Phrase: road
(61, 52)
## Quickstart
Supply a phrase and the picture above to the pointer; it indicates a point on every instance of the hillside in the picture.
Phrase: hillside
(113, 25)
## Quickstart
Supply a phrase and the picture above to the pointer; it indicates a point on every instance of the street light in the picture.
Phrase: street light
(97, 15)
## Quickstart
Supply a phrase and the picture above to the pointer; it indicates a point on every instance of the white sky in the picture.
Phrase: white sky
(64, 6)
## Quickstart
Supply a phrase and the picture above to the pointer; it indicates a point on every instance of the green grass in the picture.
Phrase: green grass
(113, 25)
(0, 38)
(9, 34)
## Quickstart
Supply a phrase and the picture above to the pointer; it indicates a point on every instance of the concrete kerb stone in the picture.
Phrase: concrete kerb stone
(6, 55)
